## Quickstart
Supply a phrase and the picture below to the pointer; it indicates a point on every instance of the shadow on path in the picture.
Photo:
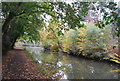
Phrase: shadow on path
(16, 65)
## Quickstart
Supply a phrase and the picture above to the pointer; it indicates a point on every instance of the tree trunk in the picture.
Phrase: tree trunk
(13, 43)
(14, 40)
(5, 44)
(5, 26)
(119, 45)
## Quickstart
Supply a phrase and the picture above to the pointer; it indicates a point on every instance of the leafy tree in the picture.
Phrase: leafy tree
(69, 41)
(73, 13)
(50, 35)
(111, 15)
(95, 45)
(81, 40)
(22, 19)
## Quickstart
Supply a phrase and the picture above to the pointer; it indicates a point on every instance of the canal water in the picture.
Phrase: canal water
(65, 66)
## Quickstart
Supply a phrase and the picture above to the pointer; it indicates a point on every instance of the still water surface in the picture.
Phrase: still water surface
(72, 67)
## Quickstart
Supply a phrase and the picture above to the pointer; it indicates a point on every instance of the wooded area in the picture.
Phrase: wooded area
(88, 29)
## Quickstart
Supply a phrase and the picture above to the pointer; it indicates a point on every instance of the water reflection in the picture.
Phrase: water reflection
(63, 66)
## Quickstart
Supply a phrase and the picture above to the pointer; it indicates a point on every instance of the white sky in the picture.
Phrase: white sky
(116, 0)
(68, 1)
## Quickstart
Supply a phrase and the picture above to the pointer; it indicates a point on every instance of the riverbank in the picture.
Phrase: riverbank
(96, 59)
(17, 65)
(112, 56)
(73, 67)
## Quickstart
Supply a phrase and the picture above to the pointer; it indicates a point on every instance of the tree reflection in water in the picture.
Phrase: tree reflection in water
(62, 66)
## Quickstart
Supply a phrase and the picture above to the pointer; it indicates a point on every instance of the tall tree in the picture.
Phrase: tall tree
(111, 15)
(23, 19)
(19, 17)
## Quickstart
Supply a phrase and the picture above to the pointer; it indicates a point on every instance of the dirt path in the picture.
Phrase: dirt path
(16, 65)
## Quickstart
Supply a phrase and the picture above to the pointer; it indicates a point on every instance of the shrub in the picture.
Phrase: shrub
(95, 44)
(69, 41)
(48, 39)
(51, 35)
(90, 41)
(81, 40)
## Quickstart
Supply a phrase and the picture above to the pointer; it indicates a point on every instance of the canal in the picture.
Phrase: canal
(72, 67)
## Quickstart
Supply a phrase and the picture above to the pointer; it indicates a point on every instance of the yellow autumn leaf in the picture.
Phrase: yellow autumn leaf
(117, 70)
